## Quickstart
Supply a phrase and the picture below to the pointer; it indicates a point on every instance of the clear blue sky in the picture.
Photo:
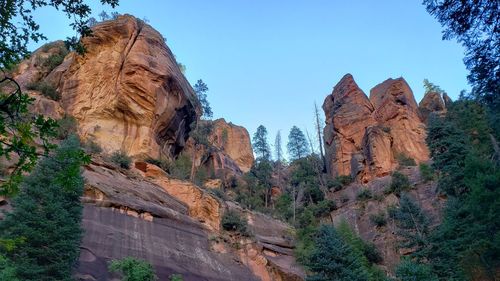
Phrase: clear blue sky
(267, 61)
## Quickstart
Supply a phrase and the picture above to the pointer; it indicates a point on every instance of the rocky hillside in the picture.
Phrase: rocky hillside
(128, 94)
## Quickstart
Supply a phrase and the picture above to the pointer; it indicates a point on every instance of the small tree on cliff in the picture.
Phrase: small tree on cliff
(297, 144)
(46, 217)
(133, 269)
(200, 131)
(260, 144)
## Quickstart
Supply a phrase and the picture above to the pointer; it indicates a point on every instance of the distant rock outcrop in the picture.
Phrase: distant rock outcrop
(126, 92)
(363, 137)
(433, 102)
(230, 151)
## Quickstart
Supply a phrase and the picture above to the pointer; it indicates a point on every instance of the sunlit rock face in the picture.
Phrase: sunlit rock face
(126, 92)
(433, 102)
(364, 136)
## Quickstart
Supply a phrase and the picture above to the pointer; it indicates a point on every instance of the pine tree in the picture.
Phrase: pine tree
(46, 217)
(133, 269)
(409, 270)
(278, 148)
(201, 89)
(333, 259)
(297, 144)
(260, 144)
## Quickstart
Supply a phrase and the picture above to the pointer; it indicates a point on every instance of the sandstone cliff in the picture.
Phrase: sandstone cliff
(364, 137)
(126, 91)
(230, 151)
(433, 102)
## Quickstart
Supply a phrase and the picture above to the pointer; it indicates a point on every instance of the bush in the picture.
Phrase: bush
(92, 147)
(364, 194)
(378, 219)
(405, 161)
(121, 159)
(164, 164)
(176, 277)
(399, 183)
(323, 208)
(133, 269)
(426, 172)
(339, 182)
(66, 127)
(371, 253)
(180, 168)
(232, 221)
(46, 89)
(219, 193)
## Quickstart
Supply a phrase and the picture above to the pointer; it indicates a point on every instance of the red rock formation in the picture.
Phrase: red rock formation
(433, 102)
(127, 92)
(364, 136)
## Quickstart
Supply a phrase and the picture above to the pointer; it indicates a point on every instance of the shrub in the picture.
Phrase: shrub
(364, 194)
(371, 253)
(121, 159)
(176, 277)
(200, 176)
(323, 208)
(92, 147)
(426, 172)
(399, 183)
(46, 89)
(378, 219)
(164, 164)
(232, 221)
(180, 168)
(339, 182)
(405, 161)
(219, 193)
(344, 180)
(133, 269)
(66, 127)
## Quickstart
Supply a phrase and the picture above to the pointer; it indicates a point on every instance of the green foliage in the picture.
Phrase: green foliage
(297, 144)
(412, 222)
(405, 161)
(133, 269)
(378, 219)
(323, 208)
(399, 183)
(409, 270)
(366, 252)
(333, 259)
(364, 194)
(47, 212)
(201, 89)
(260, 145)
(55, 59)
(474, 24)
(7, 271)
(66, 126)
(306, 173)
(176, 277)
(200, 176)
(181, 167)
(339, 182)
(233, 221)
(164, 164)
(121, 159)
(426, 172)
(283, 206)
(431, 87)
(46, 89)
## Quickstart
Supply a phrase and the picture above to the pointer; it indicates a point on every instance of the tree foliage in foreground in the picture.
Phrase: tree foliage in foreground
(45, 222)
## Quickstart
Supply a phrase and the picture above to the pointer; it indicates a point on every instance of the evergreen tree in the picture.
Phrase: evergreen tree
(278, 150)
(201, 89)
(412, 223)
(260, 144)
(333, 259)
(430, 87)
(409, 270)
(297, 144)
(103, 16)
(46, 217)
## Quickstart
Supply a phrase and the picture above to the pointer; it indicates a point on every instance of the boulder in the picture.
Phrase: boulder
(433, 102)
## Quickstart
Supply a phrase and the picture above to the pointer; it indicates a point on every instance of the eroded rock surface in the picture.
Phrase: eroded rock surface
(433, 102)
(363, 137)
(126, 92)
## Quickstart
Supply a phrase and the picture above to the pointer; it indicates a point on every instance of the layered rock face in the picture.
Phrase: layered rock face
(126, 91)
(363, 137)
(230, 151)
